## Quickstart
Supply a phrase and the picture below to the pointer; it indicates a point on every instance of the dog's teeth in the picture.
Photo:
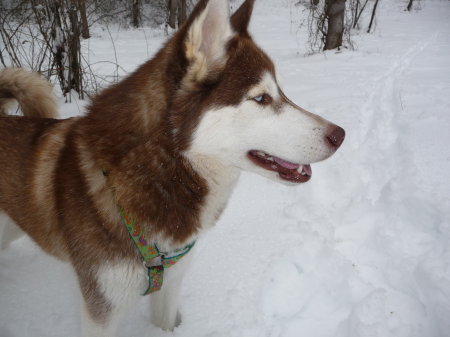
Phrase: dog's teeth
(259, 153)
(270, 158)
(300, 169)
(274, 167)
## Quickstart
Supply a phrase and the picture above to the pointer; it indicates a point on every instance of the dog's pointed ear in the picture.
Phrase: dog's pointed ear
(207, 37)
(241, 18)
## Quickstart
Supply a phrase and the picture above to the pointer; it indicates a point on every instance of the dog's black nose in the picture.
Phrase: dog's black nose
(336, 136)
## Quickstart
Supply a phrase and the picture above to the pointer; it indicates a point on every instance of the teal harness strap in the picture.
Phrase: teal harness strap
(154, 260)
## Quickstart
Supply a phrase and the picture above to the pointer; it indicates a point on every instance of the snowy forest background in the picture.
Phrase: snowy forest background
(49, 36)
(362, 250)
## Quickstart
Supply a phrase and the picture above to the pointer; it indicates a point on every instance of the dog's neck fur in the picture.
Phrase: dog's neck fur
(143, 144)
(221, 180)
(146, 162)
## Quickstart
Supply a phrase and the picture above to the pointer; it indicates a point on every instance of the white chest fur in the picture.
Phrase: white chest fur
(221, 181)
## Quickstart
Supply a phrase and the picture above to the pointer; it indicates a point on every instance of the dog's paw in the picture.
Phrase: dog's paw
(178, 320)
(167, 323)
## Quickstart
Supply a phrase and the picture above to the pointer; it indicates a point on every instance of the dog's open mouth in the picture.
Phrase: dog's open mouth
(292, 172)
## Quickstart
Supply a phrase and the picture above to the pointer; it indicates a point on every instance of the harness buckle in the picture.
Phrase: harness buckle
(156, 261)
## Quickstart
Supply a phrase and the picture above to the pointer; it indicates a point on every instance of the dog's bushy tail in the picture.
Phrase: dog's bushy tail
(33, 93)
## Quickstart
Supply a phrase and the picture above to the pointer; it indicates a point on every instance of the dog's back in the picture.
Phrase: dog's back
(24, 144)
(19, 135)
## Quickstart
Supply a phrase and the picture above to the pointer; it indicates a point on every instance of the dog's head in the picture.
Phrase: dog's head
(230, 108)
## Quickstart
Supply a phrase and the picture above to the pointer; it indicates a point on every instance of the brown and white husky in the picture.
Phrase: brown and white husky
(165, 145)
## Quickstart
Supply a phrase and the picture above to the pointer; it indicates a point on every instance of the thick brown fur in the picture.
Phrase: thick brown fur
(64, 181)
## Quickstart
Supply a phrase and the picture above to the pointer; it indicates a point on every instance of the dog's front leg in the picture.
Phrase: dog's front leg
(164, 303)
(108, 294)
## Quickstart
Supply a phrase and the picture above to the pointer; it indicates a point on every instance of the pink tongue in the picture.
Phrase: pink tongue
(286, 164)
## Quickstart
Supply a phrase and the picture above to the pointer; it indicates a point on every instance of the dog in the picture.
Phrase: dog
(123, 192)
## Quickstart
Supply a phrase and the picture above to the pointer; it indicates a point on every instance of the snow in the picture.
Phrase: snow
(362, 250)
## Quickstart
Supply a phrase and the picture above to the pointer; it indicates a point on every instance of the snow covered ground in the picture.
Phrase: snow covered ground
(362, 250)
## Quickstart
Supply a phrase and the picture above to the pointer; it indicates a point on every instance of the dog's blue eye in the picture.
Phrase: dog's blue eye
(264, 99)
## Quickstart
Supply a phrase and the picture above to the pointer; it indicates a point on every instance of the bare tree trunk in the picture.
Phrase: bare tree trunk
(81, 4)
(63, 40)
(182, 12)
(2, 60)
(136, 13)
(358, 12)
(355, 17)
(374, 10)
(335, 12)
(409, 7)
(57, 42)
(75, 76)
(172, 6)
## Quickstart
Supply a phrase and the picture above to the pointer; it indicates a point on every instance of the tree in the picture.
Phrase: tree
(372, 17)
(136, 13)
(177, 12)
(81, 6)
(331, 23)
(335, 14)
(357, 9)
(182, 12)
(409, 7)
(59, 26)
